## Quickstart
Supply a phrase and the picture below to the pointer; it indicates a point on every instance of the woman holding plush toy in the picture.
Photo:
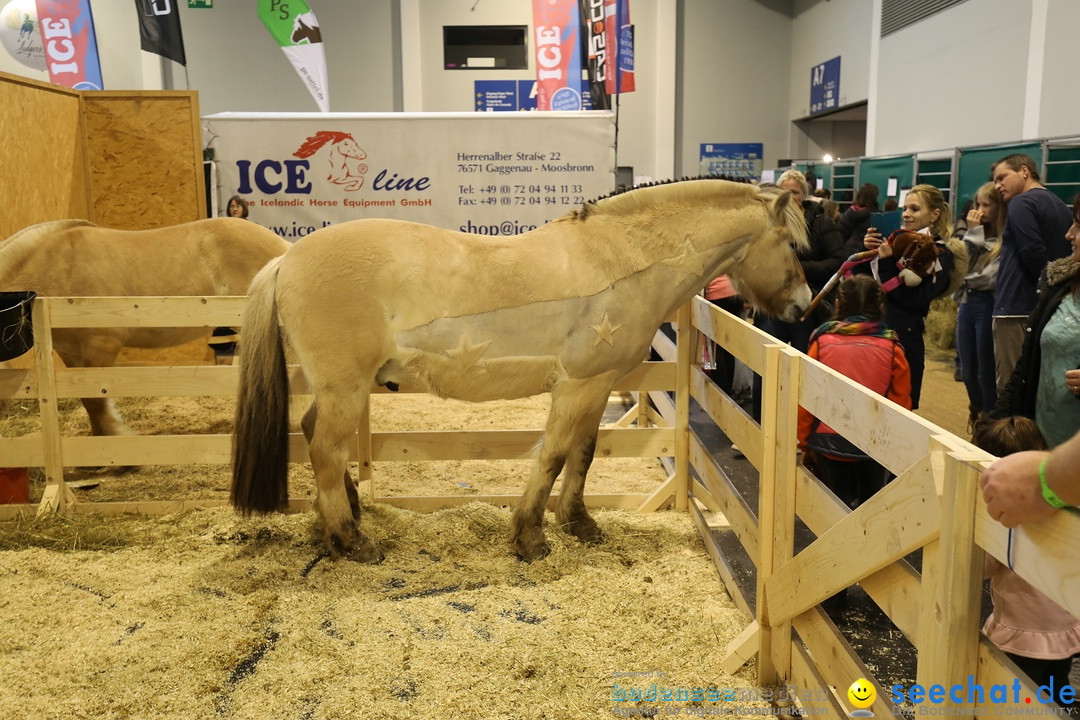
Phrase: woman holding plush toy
(907, 304)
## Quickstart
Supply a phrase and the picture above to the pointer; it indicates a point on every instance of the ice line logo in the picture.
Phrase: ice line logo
(862, 696)
(346, 159)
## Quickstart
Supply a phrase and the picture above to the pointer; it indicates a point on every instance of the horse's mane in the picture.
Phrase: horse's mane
(675, 189)
(316, 141)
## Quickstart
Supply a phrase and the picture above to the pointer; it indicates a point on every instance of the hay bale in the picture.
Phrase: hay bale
(941, 324)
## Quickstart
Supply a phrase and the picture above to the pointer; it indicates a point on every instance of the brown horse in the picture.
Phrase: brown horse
(75, 258)
(567, 308)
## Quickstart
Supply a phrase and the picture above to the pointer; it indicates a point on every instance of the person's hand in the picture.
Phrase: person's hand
(1072, 381)
(873, 239)
(974, 217)
(1012, 491)
(885, 250)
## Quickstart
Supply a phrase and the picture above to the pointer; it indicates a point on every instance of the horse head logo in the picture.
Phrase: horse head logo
(27, 27)
(306, 29)
(344, 156)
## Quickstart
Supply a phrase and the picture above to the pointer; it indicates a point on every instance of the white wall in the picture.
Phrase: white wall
(1060, 104)
(733, 82)
(822, 31)
(236, 66)
(954, 79)
(707, 70)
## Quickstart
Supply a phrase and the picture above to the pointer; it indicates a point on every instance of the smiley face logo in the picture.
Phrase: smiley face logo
(861, 694)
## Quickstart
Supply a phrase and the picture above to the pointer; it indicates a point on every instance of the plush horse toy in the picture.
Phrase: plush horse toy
(916, 254)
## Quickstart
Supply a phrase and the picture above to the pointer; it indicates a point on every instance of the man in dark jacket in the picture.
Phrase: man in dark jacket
(1034, 235)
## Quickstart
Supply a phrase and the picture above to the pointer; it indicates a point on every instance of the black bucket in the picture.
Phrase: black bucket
(16, 330)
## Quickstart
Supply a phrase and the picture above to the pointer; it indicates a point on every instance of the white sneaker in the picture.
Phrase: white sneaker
(736, 452)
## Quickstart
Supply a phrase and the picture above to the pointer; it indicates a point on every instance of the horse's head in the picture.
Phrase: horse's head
(350, 148)
(769, 274)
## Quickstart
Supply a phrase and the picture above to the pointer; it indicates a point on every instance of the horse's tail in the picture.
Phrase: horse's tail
(261, 437)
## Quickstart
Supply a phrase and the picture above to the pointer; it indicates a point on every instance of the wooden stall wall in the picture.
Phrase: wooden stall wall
(43, 173)
(144, 155)
(128, 160)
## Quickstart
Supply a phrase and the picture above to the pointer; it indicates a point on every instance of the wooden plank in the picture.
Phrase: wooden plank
(815, 697)
(775, 635)
(160, 381)
(901, 517)
(740, 515)
(22, 451)
(881, 428)
(723, 569)
(836, 661)
(735, 422)
(739, 337)
(86, 312)
(952, 585)
(55, 498)
(660, 497)
(740, 649)
(18, 383)
(687, 340)
(895, 588)
(649, 375)
(995, 668)
(628, 501)
(511, 444)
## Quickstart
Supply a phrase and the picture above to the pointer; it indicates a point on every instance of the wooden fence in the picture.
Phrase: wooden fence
(933, 503)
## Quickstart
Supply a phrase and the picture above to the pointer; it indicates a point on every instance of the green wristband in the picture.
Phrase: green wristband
(1048, 494)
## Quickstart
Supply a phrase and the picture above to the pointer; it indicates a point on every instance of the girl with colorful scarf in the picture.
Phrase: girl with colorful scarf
(858, 344)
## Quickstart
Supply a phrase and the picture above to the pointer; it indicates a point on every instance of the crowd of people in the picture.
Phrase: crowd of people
(1013, 265)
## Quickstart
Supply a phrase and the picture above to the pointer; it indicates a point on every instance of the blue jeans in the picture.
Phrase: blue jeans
(975, 344)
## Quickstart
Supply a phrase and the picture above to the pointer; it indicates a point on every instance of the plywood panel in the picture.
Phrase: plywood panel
(43, 176)
(145, 158)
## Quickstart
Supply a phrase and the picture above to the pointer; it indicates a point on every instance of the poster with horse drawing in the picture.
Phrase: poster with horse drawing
(469, 172)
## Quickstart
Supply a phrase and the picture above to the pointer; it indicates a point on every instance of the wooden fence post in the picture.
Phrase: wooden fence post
(684, 346)
(776, 501)
(57, 495)
(948, 644)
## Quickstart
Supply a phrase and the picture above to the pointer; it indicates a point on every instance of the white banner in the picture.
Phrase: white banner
(490, 173)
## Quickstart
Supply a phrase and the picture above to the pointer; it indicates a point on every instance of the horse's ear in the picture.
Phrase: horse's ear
(779, 205)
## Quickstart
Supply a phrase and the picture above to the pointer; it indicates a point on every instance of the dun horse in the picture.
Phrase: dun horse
(75, 258)
(567, 308)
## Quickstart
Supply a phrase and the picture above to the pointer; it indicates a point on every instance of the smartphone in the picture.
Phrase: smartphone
(887, 223)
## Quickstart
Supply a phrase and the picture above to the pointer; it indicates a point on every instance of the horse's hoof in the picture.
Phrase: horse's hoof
(586, 530)
(533, 551)
(366, 553)
(591, 535)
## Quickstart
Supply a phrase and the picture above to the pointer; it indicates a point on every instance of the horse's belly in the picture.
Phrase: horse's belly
(468, 377)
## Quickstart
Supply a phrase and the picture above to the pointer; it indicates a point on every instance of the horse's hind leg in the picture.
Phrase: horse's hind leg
(569, 439)
(308, 426)
(332, 428)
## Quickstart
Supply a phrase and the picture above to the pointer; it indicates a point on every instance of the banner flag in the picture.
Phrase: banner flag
(620, 41)
(67, 32)
(159, 29)
(557, 26)
(296, 31)
(601, 61)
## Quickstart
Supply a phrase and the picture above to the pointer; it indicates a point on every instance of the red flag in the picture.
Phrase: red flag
(558, 54)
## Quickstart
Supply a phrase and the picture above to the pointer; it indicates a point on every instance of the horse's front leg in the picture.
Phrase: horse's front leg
(330, 429)
(570, 512)
(569, 439)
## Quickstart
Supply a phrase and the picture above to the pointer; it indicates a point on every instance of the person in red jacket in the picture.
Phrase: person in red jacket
(858, 344)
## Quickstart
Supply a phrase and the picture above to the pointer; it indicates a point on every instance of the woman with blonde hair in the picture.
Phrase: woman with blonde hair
(925, 211)
(975, 314)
